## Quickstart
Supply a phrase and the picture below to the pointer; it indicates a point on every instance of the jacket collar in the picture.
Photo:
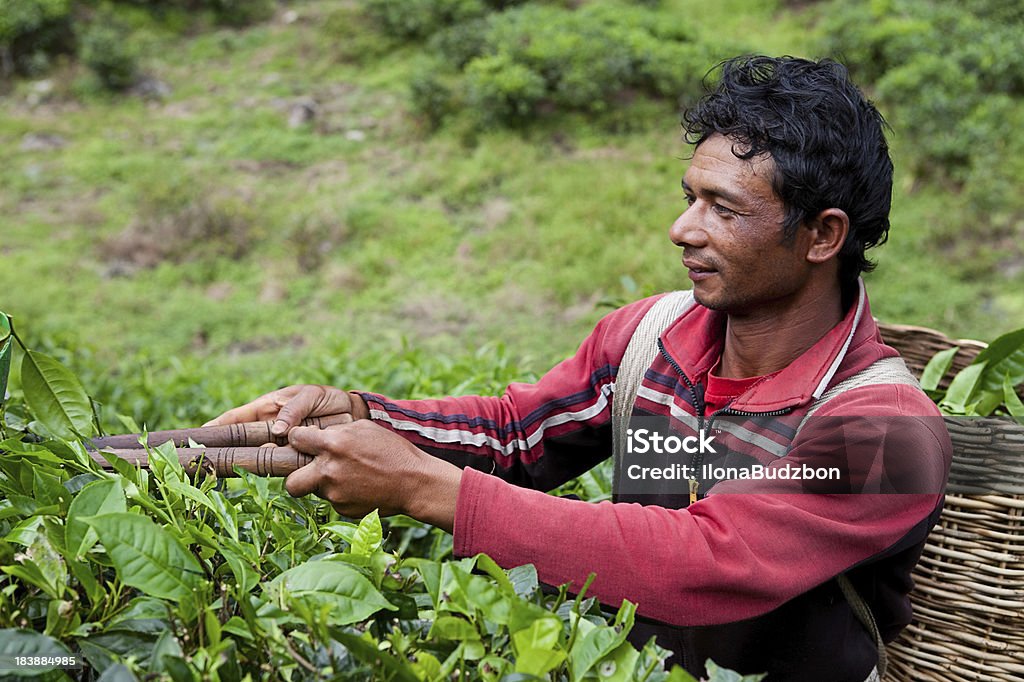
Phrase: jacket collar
(696, 339)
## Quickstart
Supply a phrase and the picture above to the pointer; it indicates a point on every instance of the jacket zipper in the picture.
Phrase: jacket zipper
(698, 457)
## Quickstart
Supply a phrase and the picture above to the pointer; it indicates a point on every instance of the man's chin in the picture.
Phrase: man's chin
(719, 304)
(707, 300)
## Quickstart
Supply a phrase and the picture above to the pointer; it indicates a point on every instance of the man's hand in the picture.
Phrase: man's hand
(362, 466)
(289, 406)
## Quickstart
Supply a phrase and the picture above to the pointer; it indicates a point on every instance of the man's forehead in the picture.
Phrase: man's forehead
(715, 160)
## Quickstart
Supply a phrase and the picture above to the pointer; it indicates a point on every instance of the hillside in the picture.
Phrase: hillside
(265, 204)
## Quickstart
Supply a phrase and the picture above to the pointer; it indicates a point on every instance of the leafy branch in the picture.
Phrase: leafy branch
(985, 387)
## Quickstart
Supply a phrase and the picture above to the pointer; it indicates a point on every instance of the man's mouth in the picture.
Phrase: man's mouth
(698, 270)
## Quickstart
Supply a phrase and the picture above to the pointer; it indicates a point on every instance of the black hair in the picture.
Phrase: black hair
(826, 140)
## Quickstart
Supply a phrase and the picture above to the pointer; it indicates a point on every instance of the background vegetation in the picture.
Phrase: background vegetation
(204, 199)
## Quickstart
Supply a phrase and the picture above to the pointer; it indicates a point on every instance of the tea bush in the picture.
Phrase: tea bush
(501, 91)
(31, 31)
(932, 65)
(502, 68)
(106, 50)
(416, 19)
(951, 78)
(147, 573)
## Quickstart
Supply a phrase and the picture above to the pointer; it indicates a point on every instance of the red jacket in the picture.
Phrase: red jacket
(745, 578)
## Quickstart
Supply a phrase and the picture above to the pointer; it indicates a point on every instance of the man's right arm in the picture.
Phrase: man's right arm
(288, 406)
(534, 435)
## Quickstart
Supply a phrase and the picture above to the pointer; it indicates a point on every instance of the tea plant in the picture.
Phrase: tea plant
(987, 386)
(146, 573)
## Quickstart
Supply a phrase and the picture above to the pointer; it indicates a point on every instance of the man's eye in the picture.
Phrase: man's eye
(723, 211)
(690, 200)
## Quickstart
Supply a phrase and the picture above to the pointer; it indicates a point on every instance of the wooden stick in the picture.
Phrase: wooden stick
(269, 461)
(248, 434)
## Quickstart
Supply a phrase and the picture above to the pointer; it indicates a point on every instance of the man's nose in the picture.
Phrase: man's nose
(687, 230)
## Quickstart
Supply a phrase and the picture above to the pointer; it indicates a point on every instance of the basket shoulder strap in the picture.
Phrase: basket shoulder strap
(639, 354)
(863, 613)
(884, 371)
(642, 348)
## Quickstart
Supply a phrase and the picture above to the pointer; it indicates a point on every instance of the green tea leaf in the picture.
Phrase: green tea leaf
(227, 514)
(56, 397)
(937, 368)
(146, 556)
(1003, 357)
(430, 572)
(961, 389)
(369, 535)
(524, 580)
(166, 646)
(164, 463)
(470, 650)
(490, 567)
(246, 578)
(5, 353)
(536, 647)
(26, 531)
(1003, 347)
(986, 402)
(597, 643)
(391, 667)
(48, 489)
(342, 529)
(99, 497)
(620, 665)
(178, 489)
(350, 596)
(454, 629)
(15, 642)
(40, 564)
(82, 570)
(429, 668)
(237, 627)
(468, 593)
(1013, 403)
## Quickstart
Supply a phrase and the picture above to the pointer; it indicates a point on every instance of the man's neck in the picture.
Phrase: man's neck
(767, 341)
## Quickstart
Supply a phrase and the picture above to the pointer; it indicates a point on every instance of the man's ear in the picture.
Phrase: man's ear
(828, 233)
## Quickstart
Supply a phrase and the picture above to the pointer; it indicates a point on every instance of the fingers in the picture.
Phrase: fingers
(237, 415)
(303, 481)
(358, 467)
(320, 443)
(296, 408)
(308, 479)
(313, 441)
(262, 408)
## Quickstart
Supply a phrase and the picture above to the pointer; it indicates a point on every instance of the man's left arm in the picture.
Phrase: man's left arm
(725, 558)
(741, 552)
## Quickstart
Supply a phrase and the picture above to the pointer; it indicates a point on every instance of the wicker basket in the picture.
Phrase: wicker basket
(969, 584)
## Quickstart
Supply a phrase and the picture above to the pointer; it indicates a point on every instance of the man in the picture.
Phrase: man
(789, 183)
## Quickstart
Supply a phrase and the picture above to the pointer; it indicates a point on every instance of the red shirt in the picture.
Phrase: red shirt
(722, 391)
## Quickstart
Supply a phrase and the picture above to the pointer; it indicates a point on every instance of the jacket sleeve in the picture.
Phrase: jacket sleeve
(735, 554)
(535, 435)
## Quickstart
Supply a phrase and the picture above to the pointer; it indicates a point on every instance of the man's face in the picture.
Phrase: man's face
(732, 233)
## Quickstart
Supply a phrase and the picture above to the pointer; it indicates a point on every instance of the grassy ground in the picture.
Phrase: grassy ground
(203, 227)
